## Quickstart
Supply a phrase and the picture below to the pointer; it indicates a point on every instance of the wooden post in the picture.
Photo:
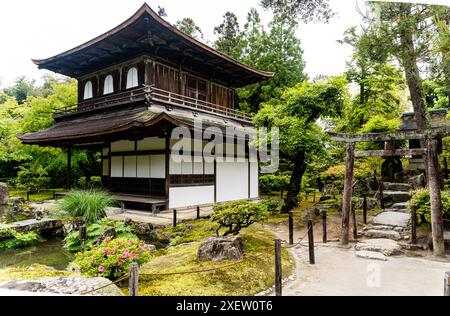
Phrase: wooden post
(69, 167)
(347, 196)
(134, 279)
(312, 260)
(174, 218)
(434, 186)
(198, 212)
(28, 195)
(324, 226)
(83, 236)
(413, 225)
(355, 226)
(278, 272)
(365, 210)
(447, 283)
(381, 192)
(291, 227)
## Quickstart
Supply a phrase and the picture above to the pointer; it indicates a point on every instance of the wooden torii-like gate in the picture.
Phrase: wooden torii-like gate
(432, 169)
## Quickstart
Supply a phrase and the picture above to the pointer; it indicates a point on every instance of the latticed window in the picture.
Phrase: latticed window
(132, 78)
(88, 90)
(108, 86)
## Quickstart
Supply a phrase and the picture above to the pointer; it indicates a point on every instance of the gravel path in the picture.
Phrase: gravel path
(339, 272)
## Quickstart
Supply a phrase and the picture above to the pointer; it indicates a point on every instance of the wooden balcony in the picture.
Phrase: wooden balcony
(154, 95)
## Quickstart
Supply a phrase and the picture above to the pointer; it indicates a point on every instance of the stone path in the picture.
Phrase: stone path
(161, 219)
(340, 271)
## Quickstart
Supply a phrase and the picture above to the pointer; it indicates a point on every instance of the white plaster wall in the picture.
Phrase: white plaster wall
(143, 166)
(121, 146)
(129, 170)
(151, 143)
(158, 166)
(254, 183)
(191, 196)
(117, 167)
(232, 181)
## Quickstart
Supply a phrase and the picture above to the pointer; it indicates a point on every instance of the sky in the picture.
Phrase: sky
(40, 29)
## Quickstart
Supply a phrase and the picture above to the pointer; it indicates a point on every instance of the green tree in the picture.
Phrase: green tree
(228, 35)
(304, 10)
(277, 50)
(296, 114)
(21, 89)
(189, 27)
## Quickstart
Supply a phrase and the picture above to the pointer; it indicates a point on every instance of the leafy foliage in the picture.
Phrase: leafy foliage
(112, 258)
(189, 27)
(271, 205)
(237, 215)
(421, 202)
(90, 204)
(10, 239)
(72, 241)
(273, 182)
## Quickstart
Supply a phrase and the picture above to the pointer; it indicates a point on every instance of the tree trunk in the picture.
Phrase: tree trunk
(347, 197)
(434, 186)
(291, 200)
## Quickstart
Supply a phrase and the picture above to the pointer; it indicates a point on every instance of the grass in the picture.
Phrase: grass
(89, 204)
(25, 273)
(277, 219)
(35, 197)
(249, 277)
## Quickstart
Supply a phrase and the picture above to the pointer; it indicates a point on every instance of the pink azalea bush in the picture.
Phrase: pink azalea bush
(111, 259)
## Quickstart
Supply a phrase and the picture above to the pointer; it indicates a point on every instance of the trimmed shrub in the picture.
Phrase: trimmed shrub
(10, 239)
(271, 205)
(273, 182)
(237, 215)
(90, 204)
(112, 258)
(421, 202)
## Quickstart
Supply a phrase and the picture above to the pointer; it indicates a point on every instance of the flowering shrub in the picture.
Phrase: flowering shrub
(111, 259)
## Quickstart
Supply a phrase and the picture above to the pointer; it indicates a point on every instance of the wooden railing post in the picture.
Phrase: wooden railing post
(365, 210)
(198, 212)
(347, 196)
(324, 226)
(312, 259)
(413, 225)
(355, 226)
(83, 236)
(174, 218)
(278, 272)
(134, 279)
(291, 227)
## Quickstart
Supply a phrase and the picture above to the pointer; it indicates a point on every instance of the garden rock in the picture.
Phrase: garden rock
(371, 255)
(109, 232)
(221, 248)
(388, 247)
(72, 225)
(390, 234)
(392, 219)
(63, 285)
(3, 193)
(417, 181)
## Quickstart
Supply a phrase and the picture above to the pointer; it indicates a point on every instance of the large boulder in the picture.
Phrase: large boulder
(387, 247)
(65, 285)
(221, 248)
(3, 193)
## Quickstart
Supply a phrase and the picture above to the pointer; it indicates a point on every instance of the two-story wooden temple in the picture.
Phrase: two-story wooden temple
(138, 82)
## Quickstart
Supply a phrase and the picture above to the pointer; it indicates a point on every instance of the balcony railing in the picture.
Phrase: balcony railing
(156, 95)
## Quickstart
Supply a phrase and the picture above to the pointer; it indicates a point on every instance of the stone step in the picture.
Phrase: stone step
(389, 234)
(401, 205)
(390, 186)
(398, 210)
(387, 247)
(392, 219)
(396, 196)
(371, 255)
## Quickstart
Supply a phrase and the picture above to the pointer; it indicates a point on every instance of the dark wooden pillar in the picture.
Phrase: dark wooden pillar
(347, 196)
(434, 186)
(167, 183)
(69, 167)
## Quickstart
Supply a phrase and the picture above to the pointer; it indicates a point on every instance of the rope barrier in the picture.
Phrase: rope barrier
(298, 242)
(126, 276)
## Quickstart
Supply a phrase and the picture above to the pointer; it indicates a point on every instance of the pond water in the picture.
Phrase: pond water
(50, 252)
